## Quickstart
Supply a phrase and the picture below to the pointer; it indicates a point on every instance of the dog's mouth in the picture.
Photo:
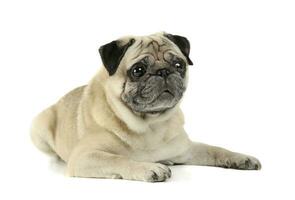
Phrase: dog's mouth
(167, 92)
(164, 94)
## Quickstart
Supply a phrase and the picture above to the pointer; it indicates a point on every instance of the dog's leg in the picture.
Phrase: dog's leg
(94, 163)
(203, 154)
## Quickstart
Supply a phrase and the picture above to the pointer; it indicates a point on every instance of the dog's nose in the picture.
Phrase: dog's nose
(164, 72)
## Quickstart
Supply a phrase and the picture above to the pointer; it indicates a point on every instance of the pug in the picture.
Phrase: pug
(127, 123)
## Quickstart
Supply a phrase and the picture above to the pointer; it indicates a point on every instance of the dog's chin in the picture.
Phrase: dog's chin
(164, 102)
(153, 111)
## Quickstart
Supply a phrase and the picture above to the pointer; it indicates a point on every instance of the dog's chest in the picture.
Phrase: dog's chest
(159, 143)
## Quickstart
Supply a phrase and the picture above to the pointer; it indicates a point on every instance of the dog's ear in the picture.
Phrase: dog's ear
(183, 44)
(112, 53)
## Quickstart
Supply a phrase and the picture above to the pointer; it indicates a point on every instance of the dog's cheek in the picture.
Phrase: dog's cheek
(128, 92)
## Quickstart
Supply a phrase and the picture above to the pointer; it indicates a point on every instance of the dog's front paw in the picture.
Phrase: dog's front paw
(239, 161)
(153, 172)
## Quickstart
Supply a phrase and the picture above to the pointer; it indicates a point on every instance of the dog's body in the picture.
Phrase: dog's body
(130, 126)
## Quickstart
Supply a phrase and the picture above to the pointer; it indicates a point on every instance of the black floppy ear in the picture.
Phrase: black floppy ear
(112, 53)
(183, 44)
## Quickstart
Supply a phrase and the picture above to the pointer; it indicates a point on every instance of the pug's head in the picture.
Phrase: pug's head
(152, 70)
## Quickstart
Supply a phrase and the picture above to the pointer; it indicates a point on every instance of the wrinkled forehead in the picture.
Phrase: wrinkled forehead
(156, 48)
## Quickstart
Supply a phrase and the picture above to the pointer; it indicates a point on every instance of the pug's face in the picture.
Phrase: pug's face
(154, 68)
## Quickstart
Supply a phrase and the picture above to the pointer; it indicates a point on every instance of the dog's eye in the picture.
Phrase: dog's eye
(179, 66)
(138, 70)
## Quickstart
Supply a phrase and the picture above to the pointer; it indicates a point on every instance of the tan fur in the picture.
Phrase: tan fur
(92, 130)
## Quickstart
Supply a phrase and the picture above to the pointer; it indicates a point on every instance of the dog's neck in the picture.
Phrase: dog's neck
(138, 122)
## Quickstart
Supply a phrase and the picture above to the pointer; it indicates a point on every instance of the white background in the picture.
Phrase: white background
(241, 93)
